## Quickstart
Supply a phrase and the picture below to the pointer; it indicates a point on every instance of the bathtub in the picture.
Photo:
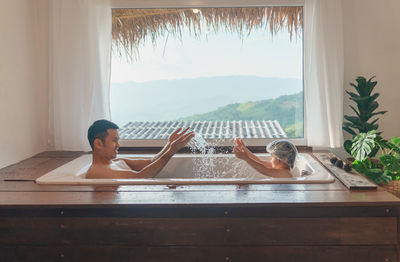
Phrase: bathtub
(193, 169)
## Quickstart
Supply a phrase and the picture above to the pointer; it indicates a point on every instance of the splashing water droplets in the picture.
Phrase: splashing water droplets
(208, 165)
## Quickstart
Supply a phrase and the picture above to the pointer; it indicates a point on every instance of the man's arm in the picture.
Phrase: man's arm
(148, 171)
(136, 164)
(171, 138)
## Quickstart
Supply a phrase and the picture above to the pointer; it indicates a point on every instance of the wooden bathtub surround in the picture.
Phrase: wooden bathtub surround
(264, 222)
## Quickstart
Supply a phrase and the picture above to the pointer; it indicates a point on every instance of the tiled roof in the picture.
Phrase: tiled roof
(207, 129)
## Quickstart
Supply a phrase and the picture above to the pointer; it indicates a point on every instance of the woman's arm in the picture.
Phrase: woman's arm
(239, 143)
(268, 171)
(264, 167)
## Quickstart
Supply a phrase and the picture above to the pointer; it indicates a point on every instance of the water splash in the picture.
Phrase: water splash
(209, 165)
(203, 166)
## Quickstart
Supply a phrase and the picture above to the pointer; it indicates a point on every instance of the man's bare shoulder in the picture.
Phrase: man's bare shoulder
(97, 171)
(115, 169)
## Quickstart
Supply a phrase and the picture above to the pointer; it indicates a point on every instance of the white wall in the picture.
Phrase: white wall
(372, 47)
(23, 81)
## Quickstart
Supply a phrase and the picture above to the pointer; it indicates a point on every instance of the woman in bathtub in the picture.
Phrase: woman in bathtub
(283, 156)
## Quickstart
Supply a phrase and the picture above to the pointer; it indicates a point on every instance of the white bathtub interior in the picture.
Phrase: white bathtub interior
(193, 169)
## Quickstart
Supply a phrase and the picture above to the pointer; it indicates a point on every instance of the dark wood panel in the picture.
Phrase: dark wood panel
(205, 231)
(201, 254)
(199, 211)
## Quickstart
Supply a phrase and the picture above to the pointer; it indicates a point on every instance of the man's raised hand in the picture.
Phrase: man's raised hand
(181, 140)
(175, 135)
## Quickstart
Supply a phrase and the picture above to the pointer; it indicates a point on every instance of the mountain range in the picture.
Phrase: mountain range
(168, 100)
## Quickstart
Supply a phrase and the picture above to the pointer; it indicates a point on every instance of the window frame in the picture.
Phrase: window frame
(214, 3)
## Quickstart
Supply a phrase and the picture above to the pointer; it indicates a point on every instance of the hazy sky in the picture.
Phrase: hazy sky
(222, 54)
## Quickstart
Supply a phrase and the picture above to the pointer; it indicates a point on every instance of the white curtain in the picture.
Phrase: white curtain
(79, 69)
(323, 72)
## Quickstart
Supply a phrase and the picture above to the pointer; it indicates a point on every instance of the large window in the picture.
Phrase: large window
(226, 72)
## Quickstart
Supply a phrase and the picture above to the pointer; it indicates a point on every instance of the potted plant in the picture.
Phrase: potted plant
(384, 169)
(367, 105)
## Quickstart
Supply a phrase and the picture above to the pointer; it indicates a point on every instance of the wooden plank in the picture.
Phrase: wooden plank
(196, 232)
(352, 180)
(60, 154)
(341, 198)
(23, 166)
(201, 254)
(32, 168)
(23, 186)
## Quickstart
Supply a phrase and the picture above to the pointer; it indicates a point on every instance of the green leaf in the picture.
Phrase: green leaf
(386, 178)
(374, 172)
(374, 151)
(350, 125)
(362, 82)
(390, 163)
(372, 77)
(360, 99)
(374, 121)
(359, 166)
(369, 127)
(347, 146)
(372, 106)
(379, 113)
(354, 85)
(372, 97)
(349, 130)
(380, 141)
(370, 86)
(396, 141)
(352, 94)
(392, 147)
(363, 144)
(393, 175)
(378, 175)
(355, 111)
(353, 119)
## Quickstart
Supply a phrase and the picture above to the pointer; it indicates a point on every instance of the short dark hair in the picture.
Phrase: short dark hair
(99, 130)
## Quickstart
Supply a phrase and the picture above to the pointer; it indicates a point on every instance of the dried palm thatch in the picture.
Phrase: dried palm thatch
(131, 27)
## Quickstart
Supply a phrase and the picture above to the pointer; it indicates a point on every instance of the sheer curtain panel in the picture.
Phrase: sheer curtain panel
(323, 72)
(79, 69)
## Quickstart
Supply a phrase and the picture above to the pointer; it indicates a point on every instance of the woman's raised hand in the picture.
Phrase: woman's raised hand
(240, 149)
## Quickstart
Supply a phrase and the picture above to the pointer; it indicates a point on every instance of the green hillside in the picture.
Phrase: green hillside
(287, 109)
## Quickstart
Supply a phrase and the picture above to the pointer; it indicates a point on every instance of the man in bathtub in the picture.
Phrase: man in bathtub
(103, 138)
(283, 157)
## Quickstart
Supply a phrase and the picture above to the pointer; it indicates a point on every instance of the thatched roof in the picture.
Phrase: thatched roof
(132, 26)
